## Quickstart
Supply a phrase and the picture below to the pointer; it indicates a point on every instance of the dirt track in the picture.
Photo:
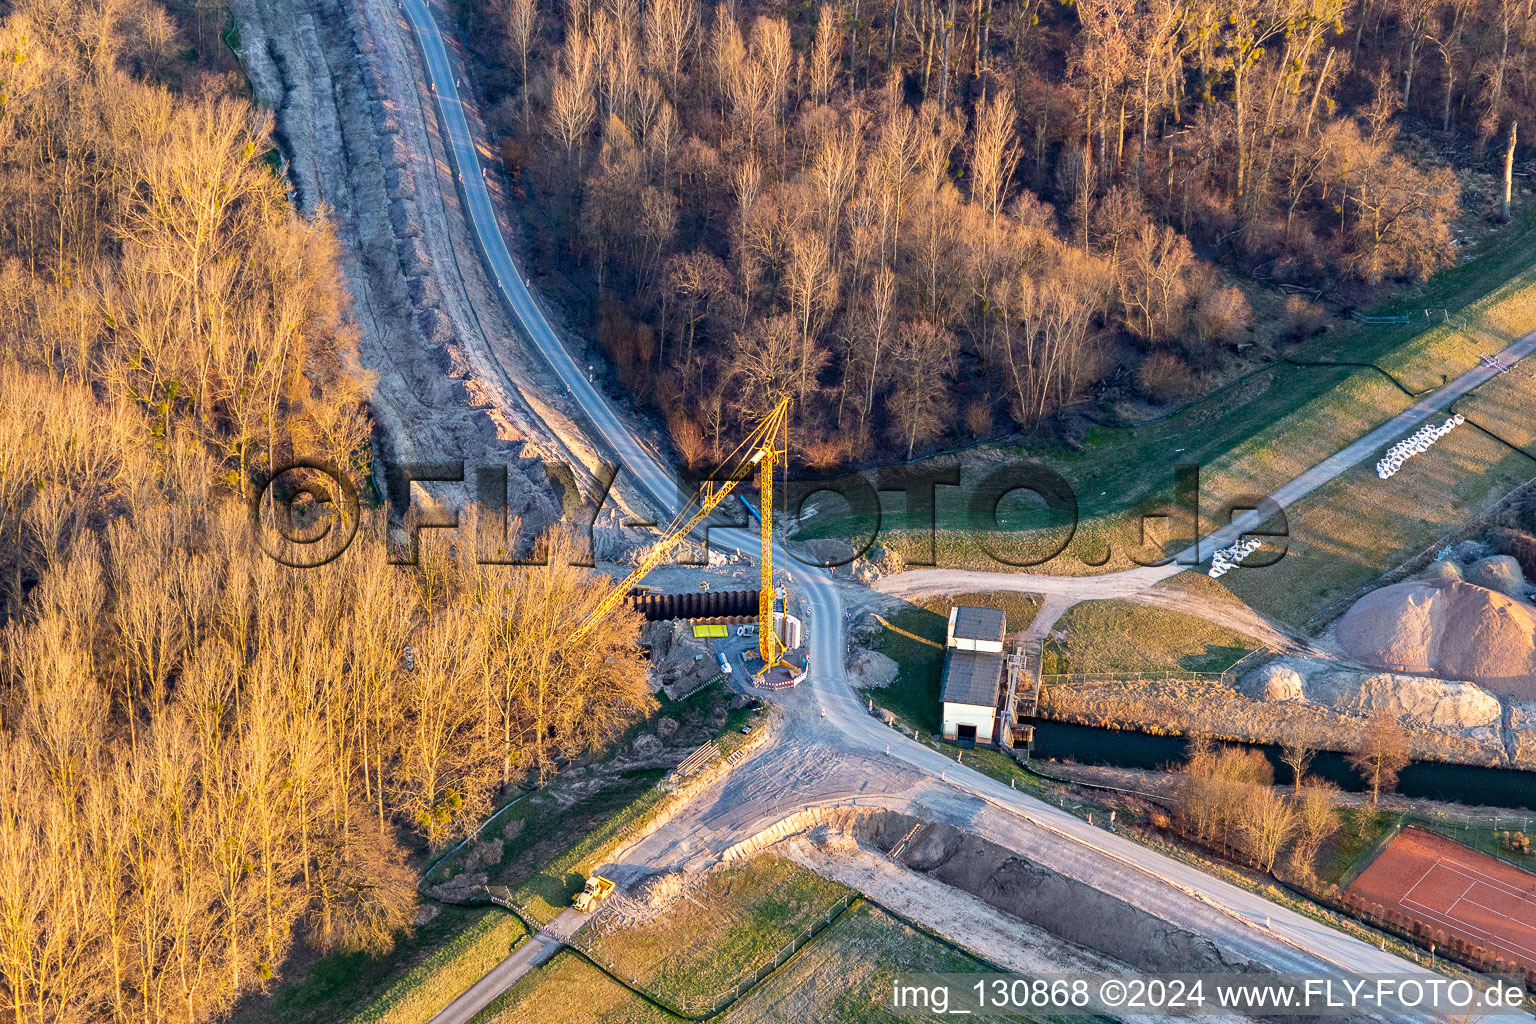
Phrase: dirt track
(1062, 592)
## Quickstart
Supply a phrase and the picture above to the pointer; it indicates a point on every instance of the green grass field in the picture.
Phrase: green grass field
(733, 925)
(844, 976)
(914, 695)
(568, 990)
(1347, 533)
(1120, 636)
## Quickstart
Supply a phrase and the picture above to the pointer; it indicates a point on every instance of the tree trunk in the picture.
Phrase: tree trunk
(1146, 116)
(1445, 120)
(1509, 172)
(853, 49)
(1242, 142)
(949, 35)
(1317, 93)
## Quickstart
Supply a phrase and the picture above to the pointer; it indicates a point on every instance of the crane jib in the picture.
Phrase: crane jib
(761, 451)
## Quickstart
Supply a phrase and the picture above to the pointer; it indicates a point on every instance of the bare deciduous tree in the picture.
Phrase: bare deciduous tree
(522, 24)
(1383, 752)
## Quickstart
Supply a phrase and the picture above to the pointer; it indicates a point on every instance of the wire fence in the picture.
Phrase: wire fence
(1507, 835)
(1444, 316)
(1150, 676)
(1228, 676)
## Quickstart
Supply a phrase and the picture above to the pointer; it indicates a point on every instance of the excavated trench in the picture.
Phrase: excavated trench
(1068, 909)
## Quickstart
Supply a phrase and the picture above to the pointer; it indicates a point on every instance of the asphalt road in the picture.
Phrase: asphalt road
(818, 595)
(540, 947)
(640, 468)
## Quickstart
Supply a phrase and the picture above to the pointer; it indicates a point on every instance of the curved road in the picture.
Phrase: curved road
(822, 600)
(641, 467)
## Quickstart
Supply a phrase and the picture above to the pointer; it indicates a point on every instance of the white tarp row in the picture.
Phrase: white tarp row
(1421, 441)
(1227, 558)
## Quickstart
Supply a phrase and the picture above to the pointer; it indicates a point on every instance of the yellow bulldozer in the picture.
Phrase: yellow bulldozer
(598, 888)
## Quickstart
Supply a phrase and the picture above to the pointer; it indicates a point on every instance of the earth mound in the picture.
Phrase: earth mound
(1446, 628)
(871, 669)
(1276, 682)
(1501, 573)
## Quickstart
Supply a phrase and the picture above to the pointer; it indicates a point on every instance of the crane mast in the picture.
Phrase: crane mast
(761, 450)
(769, 646)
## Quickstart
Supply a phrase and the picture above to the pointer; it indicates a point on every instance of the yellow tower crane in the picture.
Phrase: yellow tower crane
(762, 450)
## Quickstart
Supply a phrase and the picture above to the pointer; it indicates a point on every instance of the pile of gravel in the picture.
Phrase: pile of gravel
(1446, 628)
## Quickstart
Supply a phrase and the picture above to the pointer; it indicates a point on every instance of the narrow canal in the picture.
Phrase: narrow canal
(1432, 780)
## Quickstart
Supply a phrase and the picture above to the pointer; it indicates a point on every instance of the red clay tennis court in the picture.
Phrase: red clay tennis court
(1458, 890)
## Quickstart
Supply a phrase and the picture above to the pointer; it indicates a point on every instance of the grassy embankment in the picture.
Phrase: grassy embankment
(547, 891)
(432, 965)
(421, 975)
(843, 976)
(429, 968)
(1347, 533)
(1275, 425)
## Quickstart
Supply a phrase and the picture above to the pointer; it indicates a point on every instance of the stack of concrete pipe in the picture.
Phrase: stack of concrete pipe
(1421, 441)
(1227, 558)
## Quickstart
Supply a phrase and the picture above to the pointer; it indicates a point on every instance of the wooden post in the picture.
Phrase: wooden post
(1509, 172)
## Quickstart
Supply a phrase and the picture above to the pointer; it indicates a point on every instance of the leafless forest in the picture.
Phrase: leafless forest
(205, 756)
(929, 220)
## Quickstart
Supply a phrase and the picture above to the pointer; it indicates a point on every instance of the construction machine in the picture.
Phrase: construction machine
(597, 889)
(761, 452)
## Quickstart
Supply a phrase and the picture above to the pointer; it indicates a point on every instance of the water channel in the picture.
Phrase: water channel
(1431, 780)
